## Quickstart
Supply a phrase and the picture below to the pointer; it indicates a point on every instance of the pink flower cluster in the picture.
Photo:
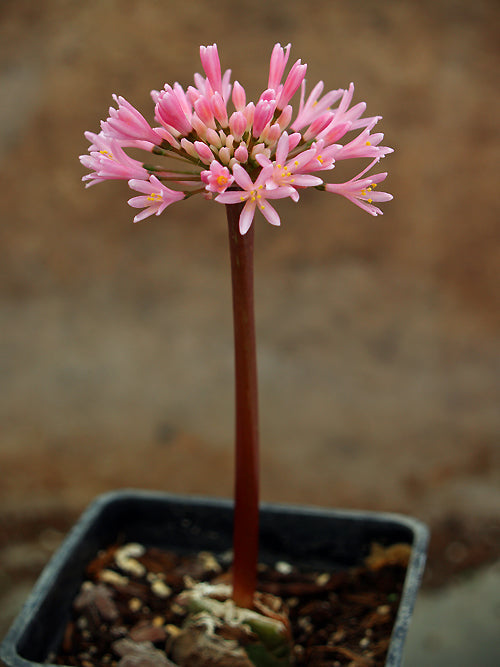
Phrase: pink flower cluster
(253, 154)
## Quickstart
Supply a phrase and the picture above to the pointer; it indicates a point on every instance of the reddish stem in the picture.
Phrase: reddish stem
(246, 511)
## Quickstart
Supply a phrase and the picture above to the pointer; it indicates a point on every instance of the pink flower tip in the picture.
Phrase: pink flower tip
(209, 57)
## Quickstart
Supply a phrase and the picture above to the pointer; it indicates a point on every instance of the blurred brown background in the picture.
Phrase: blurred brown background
(377, 337)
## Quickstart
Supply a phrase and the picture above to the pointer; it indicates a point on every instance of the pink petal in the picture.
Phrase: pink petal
(246, 216)
(269, 213)
(281, 192)
(242, 178)
(140, 186)
(306, 180)
(232, 197)
(144, 214)
(139, 202)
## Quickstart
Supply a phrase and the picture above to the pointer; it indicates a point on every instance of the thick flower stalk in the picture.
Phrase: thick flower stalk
(210, 140)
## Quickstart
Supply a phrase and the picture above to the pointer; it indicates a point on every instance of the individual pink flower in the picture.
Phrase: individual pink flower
(365, 145)
(213, 83)
(156, 197)
(241, 153)
(287, 172)
(264, 110)
(128, 123)
(237, 124)
(203, 152)
(239, 96)
(345, 113)
(319, 160)
(255, 195)
(204, 112)
(109, 161)
(279, 58)
(217, 178)
(173, 110)
(314, 107)
(329, 132)
(361, 191)
(219, 109)
(210, 62)
(292, 84)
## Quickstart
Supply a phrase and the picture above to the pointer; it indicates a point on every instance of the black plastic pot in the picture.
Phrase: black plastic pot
(329, 539)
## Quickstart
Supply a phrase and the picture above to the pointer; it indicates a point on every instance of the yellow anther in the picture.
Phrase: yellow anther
(259, 196)
(369, 201)
(107, 154)
(296, 163)
(368, 143)
(154, 196)
(373, 185)
(221, 180)
(363, 192)
(260, 187)
(242, 198)
(320, 159)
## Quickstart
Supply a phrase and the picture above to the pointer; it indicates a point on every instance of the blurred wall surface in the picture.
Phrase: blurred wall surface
(378, 346)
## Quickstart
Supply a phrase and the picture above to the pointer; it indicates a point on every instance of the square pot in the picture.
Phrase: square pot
(313, 537)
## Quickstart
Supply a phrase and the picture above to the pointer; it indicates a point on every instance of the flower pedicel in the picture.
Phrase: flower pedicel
(254, 154)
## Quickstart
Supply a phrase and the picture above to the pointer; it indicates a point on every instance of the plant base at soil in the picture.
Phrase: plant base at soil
(126, 612)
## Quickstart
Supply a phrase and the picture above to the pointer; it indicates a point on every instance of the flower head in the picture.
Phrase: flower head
(232, 150)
